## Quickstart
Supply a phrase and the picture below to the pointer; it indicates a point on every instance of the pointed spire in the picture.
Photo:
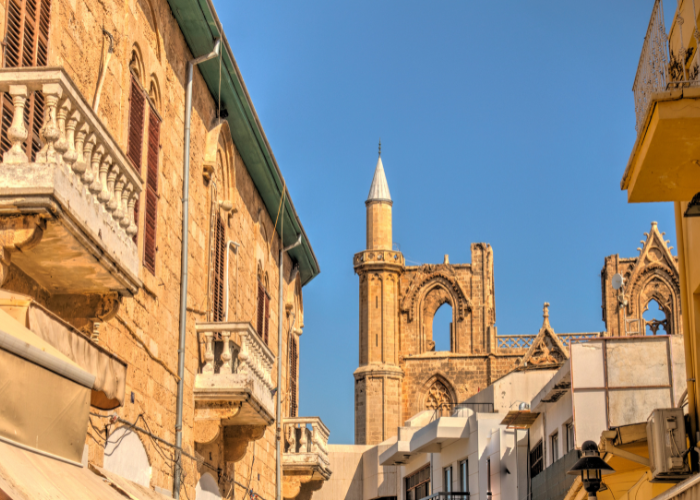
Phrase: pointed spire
(380, 189)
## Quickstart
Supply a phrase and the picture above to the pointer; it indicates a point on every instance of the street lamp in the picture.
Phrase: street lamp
(591, 467)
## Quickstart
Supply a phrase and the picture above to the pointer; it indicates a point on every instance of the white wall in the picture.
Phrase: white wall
(346, 481)
(126, 456)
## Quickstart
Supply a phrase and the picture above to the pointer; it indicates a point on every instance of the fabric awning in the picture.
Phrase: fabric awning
(25, 475)
(109, 371)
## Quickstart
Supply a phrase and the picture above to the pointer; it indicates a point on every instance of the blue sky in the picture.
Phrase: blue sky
(505, 122)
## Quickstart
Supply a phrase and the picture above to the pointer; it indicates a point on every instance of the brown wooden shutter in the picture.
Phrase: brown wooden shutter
(26, 45)
(219, 309)
(293, 360)
(261, 311)
(137, 110)
(267, 319)
(151, 215)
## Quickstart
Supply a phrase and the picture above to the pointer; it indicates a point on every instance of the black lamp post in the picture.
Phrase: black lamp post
(591, 467)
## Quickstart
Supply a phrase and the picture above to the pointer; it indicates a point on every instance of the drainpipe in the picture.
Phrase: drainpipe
(183, 271)
(279, 357)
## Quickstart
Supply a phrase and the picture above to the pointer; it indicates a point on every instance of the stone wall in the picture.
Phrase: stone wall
(144, 331)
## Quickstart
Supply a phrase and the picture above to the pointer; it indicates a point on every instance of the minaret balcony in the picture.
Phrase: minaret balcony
(378, 257)
(665, 159)
(234, 384)
(67, 217)
(305, 463)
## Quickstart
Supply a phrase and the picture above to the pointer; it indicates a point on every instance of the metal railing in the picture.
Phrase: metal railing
(449, 409)
(660, 68)
(448, 496)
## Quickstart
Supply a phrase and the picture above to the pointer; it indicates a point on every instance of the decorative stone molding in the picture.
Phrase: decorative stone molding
(18, 233)
(422, 285)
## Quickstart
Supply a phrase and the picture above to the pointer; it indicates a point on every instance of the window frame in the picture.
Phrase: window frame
(554, 444)
(447, 479)
(570, 437)
(464, 475)
(537, 459)
(420, 484)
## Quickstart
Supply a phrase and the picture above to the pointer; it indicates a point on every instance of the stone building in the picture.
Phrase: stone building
(91, 215)
(651, 277)
(400, 373)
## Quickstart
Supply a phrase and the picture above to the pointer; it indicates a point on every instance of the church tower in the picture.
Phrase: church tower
(378, 378)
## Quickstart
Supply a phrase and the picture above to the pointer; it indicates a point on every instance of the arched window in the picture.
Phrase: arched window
(442, 328)
(655, 319)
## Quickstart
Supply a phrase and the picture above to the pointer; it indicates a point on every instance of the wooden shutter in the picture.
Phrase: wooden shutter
(293, 360)
(261, 311)
(219, 309)
(137, 109)
(267, 319)
(26, 45)
(151, 215)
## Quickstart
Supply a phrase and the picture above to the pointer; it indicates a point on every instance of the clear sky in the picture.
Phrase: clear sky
(504, 122)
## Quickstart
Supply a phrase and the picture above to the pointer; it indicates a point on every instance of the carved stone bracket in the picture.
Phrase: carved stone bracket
(18, 233)
(236, 439)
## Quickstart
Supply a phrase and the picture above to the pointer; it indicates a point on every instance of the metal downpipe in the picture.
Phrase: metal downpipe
(278, 422)
(184, 264)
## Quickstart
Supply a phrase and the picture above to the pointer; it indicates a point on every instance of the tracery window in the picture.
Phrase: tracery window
(438, 399)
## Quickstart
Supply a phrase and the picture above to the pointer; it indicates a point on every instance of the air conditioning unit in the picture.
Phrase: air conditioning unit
(667, 445)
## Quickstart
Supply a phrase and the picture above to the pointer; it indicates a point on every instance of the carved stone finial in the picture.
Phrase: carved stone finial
(447, 259)
(545, 310)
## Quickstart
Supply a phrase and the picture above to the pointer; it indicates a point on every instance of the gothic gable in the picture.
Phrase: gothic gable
(546, 350)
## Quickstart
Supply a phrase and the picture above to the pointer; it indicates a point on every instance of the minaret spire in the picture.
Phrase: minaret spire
(379, 191)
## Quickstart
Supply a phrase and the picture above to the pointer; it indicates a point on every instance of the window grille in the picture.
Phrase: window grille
(536, 459)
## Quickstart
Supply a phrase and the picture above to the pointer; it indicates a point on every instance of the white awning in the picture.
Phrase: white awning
(109, 371)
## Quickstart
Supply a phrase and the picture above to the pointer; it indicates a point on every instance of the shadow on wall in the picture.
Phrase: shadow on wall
(126, 456)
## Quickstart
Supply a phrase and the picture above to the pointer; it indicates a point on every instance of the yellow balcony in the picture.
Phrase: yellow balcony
(665, 161)
(305, 464)
(66, 219)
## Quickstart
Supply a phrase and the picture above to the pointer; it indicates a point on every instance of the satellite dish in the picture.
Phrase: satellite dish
(618, 281)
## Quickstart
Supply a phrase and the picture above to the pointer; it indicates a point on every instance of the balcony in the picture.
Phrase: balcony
(234, 384)
(664, 162)
(448, 496)
(67, 219)
(305, 463)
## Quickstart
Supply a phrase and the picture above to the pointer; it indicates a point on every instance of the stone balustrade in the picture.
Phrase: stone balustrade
(80, 178)
(73, 137)
(306, 447)
(242, 373)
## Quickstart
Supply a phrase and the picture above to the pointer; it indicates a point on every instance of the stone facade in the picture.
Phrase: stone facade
(400, 373)
(653, 275)
(142, 40)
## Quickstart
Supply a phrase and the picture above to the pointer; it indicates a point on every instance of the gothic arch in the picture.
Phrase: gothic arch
(416, 293)
(154, 93)
(136, 65)
(437, 393)
(655, 282)
(219, 157)
(152, 20)
(434, 297)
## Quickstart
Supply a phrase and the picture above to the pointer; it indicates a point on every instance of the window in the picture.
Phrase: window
(418, 484)
(134, 144)
(536, 459)
(447, 479)
(26, 44)
(555, 447)
(263, 312)
(570, 436)
(151, 217)
(218, 306)
(293, 363)
(464, 476)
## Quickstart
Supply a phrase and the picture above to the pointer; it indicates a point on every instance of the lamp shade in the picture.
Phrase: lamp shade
(590, 461)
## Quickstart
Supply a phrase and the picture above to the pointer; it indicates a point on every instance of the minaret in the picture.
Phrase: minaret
(378, 378)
